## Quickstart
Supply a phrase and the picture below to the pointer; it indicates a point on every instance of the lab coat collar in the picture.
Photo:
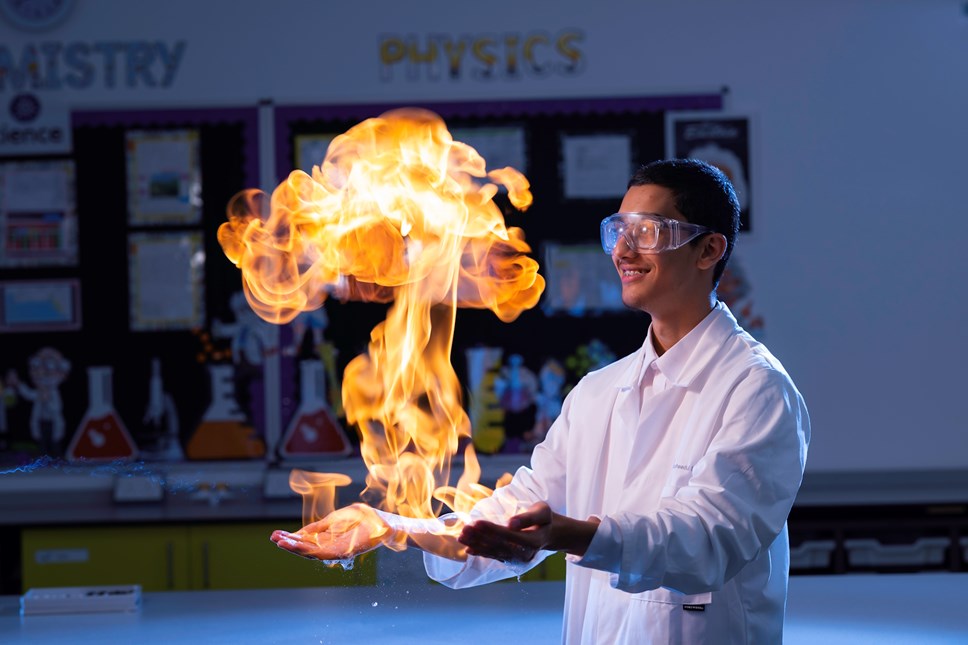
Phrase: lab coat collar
(685, 360)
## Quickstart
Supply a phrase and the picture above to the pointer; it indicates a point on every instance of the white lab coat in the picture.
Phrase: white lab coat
(693, 479)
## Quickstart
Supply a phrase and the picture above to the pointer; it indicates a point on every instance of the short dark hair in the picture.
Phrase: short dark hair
(702, 193)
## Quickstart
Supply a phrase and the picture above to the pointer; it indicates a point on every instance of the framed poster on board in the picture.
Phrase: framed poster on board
(40, 305)
(311, 150)
(166, 281)
(38, 215)
(581, 281)
(164, 178)
(720, 140)
(595, 166)
(500, 146)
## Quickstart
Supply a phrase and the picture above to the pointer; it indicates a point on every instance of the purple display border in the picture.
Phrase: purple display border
(285, 115)
(249, 117)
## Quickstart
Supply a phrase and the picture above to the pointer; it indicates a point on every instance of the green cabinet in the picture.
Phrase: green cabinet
(175, 557)
(154, 556)
(551, 568)
(240, 556)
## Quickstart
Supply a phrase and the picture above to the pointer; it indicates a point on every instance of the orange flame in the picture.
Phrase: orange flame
(318, 491)
(398, 211)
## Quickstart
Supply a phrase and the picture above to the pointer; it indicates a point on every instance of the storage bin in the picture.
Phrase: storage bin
(811, 554)
(871, 553)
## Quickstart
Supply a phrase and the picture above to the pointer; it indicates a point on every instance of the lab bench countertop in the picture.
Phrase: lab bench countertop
(924, 608)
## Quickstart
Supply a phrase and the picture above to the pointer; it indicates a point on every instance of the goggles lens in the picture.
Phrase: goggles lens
(647, 232)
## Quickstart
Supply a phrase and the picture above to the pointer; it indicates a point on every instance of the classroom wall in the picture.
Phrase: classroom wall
(858, 108)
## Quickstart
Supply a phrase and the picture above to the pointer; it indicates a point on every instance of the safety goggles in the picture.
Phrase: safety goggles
(647, 232)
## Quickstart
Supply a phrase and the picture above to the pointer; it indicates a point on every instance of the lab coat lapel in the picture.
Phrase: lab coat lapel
(650, 427)
(618, 432)
(621, 432)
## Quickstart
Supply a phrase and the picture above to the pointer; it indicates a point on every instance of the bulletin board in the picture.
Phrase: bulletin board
(142, 195)
(577, 155)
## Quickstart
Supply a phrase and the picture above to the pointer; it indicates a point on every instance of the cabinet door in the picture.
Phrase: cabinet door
(156, 557)
(241, 556)
(551, 568)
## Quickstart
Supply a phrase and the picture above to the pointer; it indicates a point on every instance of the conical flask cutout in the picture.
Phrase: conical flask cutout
(224, 432)
(101, 434)
(313, 430)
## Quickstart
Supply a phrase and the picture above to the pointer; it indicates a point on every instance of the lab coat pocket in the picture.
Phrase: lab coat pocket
(671, 597)
(666, 616)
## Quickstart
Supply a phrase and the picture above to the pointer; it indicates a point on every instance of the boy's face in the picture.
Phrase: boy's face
(655, 282)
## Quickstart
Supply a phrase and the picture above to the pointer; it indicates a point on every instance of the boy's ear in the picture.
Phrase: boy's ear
(713, 247)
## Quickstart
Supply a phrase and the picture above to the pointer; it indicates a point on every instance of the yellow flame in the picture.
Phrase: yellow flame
(397, 212)
(318, 491)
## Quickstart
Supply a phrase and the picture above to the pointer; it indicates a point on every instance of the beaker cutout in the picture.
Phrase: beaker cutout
(223, 432)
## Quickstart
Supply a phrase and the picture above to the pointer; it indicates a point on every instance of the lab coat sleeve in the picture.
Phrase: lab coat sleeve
(734, 504)
(544, 481)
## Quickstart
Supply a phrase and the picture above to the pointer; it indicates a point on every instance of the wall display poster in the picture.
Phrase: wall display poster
(720, 140)
(311, 150)
(164, 178)
(595, 166)
(500, 146)
(166, 281)
(581, 281)
(40, 305)
(38, 217)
